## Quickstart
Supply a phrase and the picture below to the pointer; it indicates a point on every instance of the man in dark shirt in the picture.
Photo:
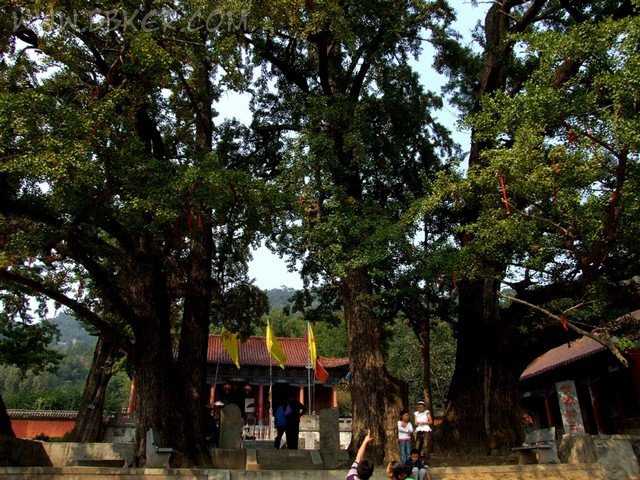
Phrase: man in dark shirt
(293, 411)
(280, 424)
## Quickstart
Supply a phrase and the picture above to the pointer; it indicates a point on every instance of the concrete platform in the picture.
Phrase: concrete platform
(24, 460)
(502, 472)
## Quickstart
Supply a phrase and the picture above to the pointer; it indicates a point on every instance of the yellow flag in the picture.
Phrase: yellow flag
(274, 348)
(230, 344)
(312, 347)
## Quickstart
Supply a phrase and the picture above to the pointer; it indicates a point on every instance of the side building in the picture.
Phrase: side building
(582, 388)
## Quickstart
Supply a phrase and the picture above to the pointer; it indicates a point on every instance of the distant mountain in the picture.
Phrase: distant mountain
(72, 331)
(279, 297)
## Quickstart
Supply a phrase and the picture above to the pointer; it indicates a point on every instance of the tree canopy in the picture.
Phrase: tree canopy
(356, 142)
(113, 200)
(546, 210)
(123, 200)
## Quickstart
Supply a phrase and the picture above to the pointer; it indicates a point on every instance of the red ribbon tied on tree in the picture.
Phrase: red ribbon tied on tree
(504, 193)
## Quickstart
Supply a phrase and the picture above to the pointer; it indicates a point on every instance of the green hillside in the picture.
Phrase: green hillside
(62, 389)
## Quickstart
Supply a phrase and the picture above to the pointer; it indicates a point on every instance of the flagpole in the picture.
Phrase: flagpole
(309, 367)
(313, 390)
(309, 386)
(270, 400)
(275, 350)
(215, 379)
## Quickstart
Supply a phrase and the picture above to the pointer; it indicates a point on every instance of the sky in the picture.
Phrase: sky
(270, 271)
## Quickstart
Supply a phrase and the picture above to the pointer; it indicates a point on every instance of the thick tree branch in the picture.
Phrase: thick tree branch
(602, 339)
(32, 286)
(106, 282)
(286, 66)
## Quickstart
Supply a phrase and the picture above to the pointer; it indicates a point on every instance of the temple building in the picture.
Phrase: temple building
(249, 386)
(582, 388)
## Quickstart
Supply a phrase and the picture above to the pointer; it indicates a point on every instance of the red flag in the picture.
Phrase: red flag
(321, 373)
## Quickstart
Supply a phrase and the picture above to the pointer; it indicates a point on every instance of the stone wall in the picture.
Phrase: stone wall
(615, 454)
(16, 452)
(66, 453)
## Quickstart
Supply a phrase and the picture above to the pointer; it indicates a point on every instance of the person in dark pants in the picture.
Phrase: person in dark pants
(280, 422)
(293, 411)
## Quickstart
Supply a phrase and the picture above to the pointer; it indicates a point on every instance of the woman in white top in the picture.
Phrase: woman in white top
(405, 429)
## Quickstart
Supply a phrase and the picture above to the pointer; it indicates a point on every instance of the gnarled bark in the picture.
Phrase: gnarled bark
(89, 421)
(482, 413)
(377, 398)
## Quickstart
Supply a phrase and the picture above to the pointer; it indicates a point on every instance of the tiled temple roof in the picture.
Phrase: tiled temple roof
(253, 352)
(562, 355)
(581, 348)
(41, 414)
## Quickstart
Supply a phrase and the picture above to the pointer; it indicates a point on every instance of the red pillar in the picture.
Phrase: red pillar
(212, 394)
(596, 407)
(260, 406)
(132, 397)
(301, 394)
(334, 404)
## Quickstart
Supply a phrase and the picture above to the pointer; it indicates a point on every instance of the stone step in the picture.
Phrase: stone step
(273, 459)
(501, 472)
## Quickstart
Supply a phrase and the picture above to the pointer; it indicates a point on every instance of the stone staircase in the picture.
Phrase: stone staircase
(60, 461)
(499, 472)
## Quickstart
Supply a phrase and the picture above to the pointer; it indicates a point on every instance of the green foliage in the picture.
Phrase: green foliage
(355, 133)
(243, 304)
(443, 355)
(63, 388)
(48, 399)
(331, 339)
(404, 360)
(99, 132)
(285, 325)
(60, 392)
(563, 137)
(625, 344)
(24, 341)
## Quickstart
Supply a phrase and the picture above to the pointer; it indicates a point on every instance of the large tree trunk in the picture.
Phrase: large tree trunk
(194, 336)
(89, 422)
(159, 395)
(426, 375)
(482, 413)
(376, 397)
(194, 340)
(5, 422)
